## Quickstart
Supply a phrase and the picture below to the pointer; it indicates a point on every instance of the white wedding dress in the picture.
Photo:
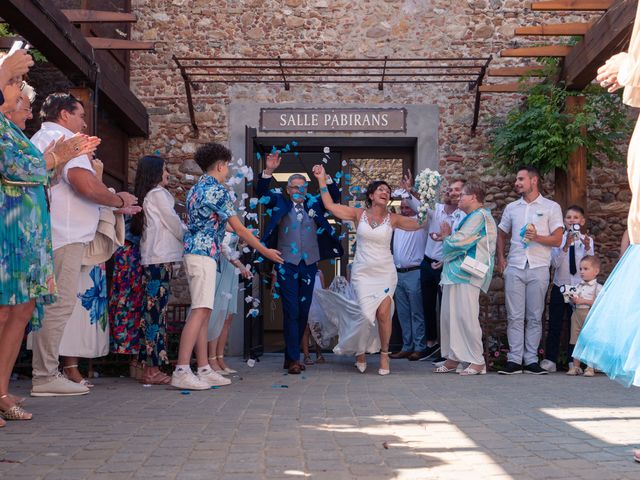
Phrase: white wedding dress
(350, 310)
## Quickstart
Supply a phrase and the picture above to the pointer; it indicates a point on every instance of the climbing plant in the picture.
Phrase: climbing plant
(542, 133)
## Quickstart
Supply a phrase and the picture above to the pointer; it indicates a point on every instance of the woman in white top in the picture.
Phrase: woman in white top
(160, 247)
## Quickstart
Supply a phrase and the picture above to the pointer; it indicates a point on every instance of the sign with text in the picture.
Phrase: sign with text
(333, 120)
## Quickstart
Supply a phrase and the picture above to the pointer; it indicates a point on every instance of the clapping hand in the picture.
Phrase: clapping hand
(14, 66)
(608, 73)
(98, 166)
(272, 162)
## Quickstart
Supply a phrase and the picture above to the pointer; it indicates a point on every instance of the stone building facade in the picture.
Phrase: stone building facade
(349, 29)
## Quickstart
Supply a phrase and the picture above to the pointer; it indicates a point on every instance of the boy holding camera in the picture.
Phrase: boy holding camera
(582, 299)
(565, 259)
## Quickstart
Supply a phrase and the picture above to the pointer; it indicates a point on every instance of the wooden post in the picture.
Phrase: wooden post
(571, 186)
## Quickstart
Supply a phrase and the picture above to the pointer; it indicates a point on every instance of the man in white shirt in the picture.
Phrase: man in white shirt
(408, 250)
(534, 226)
(75, 199)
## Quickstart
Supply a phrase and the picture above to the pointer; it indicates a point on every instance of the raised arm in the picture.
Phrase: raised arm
(264, 182)
(342, 212)
(405, 223)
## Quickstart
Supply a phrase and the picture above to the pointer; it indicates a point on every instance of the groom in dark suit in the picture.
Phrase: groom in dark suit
(298, 229)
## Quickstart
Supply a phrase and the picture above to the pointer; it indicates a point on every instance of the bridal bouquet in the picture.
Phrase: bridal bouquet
(427, 185)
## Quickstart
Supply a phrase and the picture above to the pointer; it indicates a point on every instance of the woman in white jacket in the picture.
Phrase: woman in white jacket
(160, 247)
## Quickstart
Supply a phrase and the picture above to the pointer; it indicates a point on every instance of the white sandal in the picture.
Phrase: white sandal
(227, 369)
(384, 371)
(84, 382)
(444, 369)
(219, 372)
(472, 371)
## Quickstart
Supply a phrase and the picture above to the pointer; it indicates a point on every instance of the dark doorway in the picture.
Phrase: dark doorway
(356, 161)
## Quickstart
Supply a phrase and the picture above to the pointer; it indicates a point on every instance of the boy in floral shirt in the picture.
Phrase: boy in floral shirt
(209, 208)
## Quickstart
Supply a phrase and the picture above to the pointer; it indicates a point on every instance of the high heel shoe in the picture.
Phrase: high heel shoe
(219, 371)
(361, 366)
(384, 371)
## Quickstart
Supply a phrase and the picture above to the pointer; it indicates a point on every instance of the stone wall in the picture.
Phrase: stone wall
(344, 28)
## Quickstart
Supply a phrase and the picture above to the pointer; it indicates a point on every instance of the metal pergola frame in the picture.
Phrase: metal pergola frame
(290, 71)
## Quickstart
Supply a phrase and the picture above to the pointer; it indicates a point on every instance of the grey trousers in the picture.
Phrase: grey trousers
(525, 291)
(67, 262)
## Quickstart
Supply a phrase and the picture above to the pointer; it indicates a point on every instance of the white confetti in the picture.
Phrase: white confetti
(326, 150)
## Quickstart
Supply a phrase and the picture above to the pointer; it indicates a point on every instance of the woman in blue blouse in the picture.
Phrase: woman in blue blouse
(475, 238)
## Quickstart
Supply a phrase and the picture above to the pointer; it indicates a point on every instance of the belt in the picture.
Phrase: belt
(408, 269)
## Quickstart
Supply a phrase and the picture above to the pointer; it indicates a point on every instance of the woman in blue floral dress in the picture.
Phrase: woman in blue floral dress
(26, 257)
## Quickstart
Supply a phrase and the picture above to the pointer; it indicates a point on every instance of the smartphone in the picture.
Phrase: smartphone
(17, 45)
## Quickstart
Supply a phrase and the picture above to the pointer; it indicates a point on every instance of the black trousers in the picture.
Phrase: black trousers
(559, 321)
(431, 297)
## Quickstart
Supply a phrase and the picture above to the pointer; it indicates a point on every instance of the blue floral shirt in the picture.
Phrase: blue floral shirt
(209, 206)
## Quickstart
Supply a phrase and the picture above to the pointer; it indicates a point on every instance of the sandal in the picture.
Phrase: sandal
(307, 360)
(83, 382)
(444, 369)
(472, 371)
(157, 378)
(15, 413)
(227, 369)
(320, 359)
(219, 371)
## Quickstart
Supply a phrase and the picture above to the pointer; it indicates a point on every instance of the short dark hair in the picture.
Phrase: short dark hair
(475, 188)
(576, 208)
(592, 260)
(531, 170)
(210, 153)
(372, 187)
(55, 103)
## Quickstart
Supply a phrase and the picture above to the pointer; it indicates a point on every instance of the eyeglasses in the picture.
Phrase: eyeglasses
(462, 194)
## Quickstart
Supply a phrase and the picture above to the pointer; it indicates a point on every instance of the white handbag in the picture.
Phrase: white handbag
(474, 267)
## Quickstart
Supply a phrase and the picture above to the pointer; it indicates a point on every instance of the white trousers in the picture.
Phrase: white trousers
(460, 332)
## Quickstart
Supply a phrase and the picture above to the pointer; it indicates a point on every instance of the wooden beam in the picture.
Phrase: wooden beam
(48, 30)
(590, 5)
(506, 87)
(570, 29)
(97, 16)
(544, 51)
(608, 36)
(534, 71)
(100, 43)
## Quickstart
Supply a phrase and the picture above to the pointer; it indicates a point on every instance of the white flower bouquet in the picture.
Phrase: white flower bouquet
(427, 185)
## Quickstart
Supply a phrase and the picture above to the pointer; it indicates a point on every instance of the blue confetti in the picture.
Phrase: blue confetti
(294, 143)
(259, 260)
(279, 386)
(303, 299)
(286, 229)
(274, 149)
(386, 290)
(296, 275)
(332, 261)
(320, 230)
(296, 153)
(265, 199)
(269, 211)
(304, 255)
(286, 148)
(253, 203)
(275, 296)
(214, 387)
(258, 156)
(185, 392)
(358, 205)
(338, 175)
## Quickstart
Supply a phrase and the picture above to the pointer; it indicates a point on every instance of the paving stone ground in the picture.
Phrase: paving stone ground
(332, 423)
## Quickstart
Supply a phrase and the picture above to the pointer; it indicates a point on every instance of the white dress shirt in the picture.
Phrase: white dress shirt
(74, 219)
(560, 261)
(435, 217)
(408, 247)
(163, 230)
(545, 215)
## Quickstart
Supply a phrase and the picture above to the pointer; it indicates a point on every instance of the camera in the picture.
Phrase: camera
(567, 292)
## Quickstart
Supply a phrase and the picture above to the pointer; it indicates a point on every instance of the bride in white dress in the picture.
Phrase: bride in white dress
(373, 273)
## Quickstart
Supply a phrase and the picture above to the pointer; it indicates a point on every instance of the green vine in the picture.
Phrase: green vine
(541, 133)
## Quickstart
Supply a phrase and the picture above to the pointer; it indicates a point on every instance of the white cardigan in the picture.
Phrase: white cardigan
(163, 230)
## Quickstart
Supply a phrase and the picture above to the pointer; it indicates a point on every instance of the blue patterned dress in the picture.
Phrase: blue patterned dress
(26, 255)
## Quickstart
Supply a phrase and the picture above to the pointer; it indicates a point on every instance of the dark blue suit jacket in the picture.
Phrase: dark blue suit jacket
(328, 242)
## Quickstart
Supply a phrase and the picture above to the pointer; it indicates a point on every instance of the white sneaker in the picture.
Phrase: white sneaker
(58, 386)
(186, 380)
(213, 379)
(548, 365)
